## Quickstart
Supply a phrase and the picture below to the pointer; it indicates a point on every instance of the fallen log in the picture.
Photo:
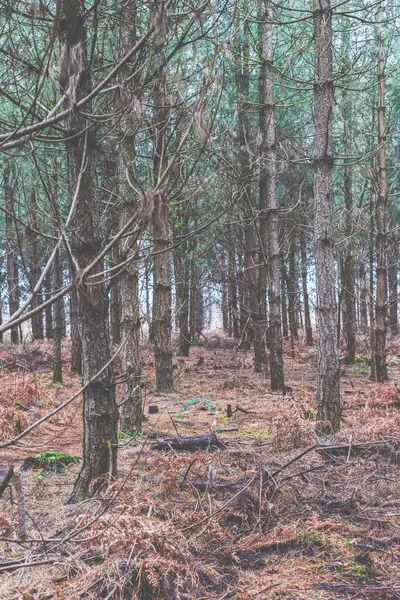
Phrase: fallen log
(357, 449)
(188, 444)
(200, 484)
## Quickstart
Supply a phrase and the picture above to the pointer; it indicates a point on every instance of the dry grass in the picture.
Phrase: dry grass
(325, 527)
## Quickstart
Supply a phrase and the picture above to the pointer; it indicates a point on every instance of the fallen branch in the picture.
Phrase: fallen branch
(357, 448)
(24, 565)
(189, 444)
(201, 484)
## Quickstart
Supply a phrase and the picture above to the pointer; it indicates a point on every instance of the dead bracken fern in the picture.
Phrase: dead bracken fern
(165, 530)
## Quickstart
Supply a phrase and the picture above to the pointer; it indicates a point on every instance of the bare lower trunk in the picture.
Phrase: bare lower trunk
(115, 303)
(182, 292)
(162, 298)
(393, 260)
(292, 286)
(363, 305)
(76, 348)
(232, 291)
(181, 268)
(162, 283)
(34, 267)
(284, 309)
(100, 415)
(251, 253)
(269, 200)
(328, 371)
(242, 297)
(131, 412)
(48, 312)
(196, 309)
(371, 330)
(57, 330)
(381, 371)
(11, 248)
(304, 271)
(224, 302)
(348, 283)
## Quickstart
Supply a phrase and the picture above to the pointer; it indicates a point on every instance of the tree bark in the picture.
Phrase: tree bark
(348, 283)
(371, 280)
(100, 415)
(224, 295)
(284, 309)
(76, 348)
(196, 310)
(381, 301)
(34, 267)
(181, 267)
(131, 412)
(11, 245)
(115, 302)
(162, 283)
(363, 304)
(232, 288)
(292, 284)
(242, 74)
(304, 272)
(57, 331)
(393, 267)
(328, 370)
(269, 200)
(48, 312)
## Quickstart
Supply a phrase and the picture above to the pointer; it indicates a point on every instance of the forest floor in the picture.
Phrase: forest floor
(267, 515)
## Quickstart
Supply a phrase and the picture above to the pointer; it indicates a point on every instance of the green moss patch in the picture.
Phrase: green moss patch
(50, 462)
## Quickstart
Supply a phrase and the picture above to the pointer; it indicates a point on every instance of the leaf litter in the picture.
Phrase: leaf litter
(239, 522)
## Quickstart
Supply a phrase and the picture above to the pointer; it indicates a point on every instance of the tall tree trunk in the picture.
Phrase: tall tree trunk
(34, 267)
(57, 330)
(242, 73)
(115, 302)
(348, 283)
(131, 412)
(284, 308)
(48, 312)
(100, 415)
(381, 372)
(363, 305)
(196, 306)
(304, 271)
(147, 292)
(76, 347)
(292, 284)
(371, 281)
(162, 282)
(242, 295)
(393, 267)
(11, 248)
(224, 294)
(232, 289)
(181, 268)
(269, 200)
(328, 370)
